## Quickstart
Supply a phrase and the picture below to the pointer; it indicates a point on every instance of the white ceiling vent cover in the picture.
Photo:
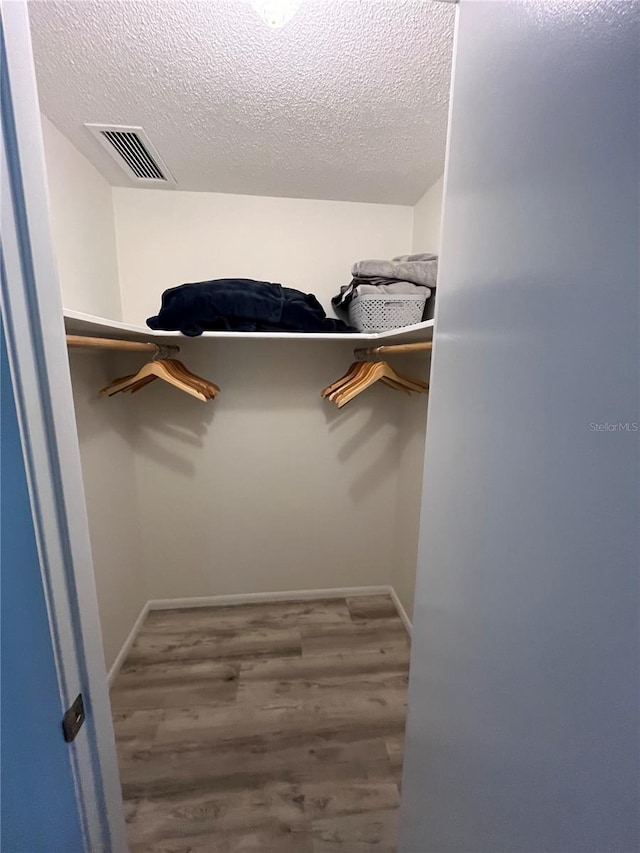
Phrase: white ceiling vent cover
(134, 152)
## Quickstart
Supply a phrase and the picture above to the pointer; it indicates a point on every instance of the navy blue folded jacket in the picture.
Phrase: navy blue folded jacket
(241, 305)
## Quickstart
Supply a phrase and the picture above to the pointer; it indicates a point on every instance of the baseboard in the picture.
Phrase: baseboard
(257, 597)
(126, 648)
(402, 613)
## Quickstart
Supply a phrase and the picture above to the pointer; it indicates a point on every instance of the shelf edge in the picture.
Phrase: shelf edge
(79, 322)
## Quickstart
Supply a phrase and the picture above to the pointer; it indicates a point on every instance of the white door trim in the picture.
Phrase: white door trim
(33, 323)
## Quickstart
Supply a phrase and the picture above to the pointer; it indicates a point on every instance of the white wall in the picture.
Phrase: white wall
(169, 238)
(412, 423)
(84, 243)
(427, 216)
(523, 701)
(83, 229)
(269, 487)
(107, 436)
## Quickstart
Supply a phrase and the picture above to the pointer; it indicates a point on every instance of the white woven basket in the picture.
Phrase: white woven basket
(371, 313)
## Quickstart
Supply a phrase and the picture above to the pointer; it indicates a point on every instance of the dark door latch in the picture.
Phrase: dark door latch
(73, 719)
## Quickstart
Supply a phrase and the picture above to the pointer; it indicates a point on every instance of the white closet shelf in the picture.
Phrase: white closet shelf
(77, 323)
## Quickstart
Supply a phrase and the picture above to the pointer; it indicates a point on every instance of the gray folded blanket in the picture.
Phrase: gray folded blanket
(401, 288)
(380, 281)
(418, 269)
(421, 256)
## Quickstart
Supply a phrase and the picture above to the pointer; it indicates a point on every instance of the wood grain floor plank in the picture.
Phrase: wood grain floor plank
(357, 833)
(285, 719)
(136, 726)
(221, 813)
(274, 838)
(169, 773)
(367, 607)
(171, 673)
(229, 815)
(269, 727)
(280, 614)
(324, 800)
(324, 688)
(175, 684)
(231, 644)
(389, 635)
(215, 693)
(332, 664)
(395, 751)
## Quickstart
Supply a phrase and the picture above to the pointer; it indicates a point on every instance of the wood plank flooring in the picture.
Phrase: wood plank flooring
(264, 728)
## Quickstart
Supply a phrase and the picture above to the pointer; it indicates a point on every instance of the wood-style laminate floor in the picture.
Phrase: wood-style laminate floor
(264, 728)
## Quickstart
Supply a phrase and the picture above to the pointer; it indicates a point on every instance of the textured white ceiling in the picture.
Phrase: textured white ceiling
(348, 101)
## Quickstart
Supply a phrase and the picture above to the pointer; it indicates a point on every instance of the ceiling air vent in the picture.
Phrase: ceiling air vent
(133, 151)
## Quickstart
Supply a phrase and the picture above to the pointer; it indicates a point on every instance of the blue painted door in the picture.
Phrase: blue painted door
(39, 812)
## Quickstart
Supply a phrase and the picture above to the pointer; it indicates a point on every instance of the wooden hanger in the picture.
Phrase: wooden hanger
(362, 374)
(355, 370)
(376, 371)
(209, 389)
(167, 368)
(360, 379)
(349, 375)
(175, 374)
(135, 386)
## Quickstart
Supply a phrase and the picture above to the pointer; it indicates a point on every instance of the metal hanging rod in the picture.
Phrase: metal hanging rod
(114, 343)
(395, 348)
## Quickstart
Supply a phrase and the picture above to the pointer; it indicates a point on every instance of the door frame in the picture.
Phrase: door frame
(32, 316)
